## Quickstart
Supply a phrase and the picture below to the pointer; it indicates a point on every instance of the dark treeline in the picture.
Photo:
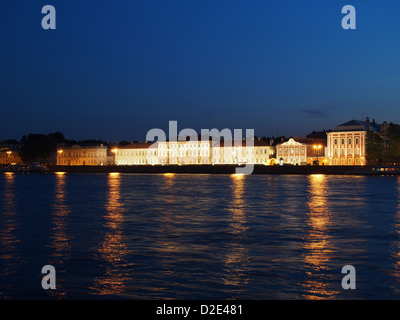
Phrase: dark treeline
(383, 147)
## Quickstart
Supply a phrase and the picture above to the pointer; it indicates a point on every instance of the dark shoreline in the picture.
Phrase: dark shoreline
(223, 169)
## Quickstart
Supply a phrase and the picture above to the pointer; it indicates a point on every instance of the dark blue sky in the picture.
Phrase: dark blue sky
(115, 69)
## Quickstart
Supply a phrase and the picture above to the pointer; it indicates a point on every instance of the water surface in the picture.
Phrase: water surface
(130, 236)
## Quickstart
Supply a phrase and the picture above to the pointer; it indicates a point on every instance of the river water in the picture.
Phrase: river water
(166, 236)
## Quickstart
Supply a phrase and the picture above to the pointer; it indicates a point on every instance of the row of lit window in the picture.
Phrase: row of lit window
(343, 162)
(335, 141)
(349, 152)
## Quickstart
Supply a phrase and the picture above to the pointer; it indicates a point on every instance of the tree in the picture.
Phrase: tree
(374, 147)
(40, 147)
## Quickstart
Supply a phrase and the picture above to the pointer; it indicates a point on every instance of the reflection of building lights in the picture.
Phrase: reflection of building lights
(238, 175)
(317, 175)
(169, 174)
(60, 173)
(114, 174)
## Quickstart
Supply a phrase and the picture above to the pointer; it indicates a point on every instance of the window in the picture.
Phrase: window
(342, 141)
(335, 141)
(357, 141)
(349, 162)
(349, 141)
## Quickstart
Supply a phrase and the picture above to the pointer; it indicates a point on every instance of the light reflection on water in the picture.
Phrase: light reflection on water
(396, 244)
(237, 253)
(199, 236)
(9, 251)
(113, 249)
(60, 243)
(318, 246)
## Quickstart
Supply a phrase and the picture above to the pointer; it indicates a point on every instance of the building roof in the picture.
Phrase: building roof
(77, 146)
(232, 143)
(291, 142)
(137, 145)
(357, 125)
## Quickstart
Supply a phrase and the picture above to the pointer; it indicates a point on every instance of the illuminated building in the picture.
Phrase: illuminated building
(184, 152)
(8, 156)
(346, 143)
(238, 152)
(292, 152)
(136, 154)
(301, 152)
(195, 152)
(77, 155)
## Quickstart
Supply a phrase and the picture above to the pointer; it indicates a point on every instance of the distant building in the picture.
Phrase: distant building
(291, 152)
(346, 142)
(302, 151)
(136, 154)
(10, 156)
(185, 152)
(77, 155)
(195, 152)
(238, 152)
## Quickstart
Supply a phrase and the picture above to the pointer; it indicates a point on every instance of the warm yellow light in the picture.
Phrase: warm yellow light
(59, 173)
(114, 174)
(238, 175)
(114, 150)
(60, 151)
(8, 152)
(169, 174)
(317, 175)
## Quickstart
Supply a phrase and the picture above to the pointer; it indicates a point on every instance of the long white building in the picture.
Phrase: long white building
(195, 152)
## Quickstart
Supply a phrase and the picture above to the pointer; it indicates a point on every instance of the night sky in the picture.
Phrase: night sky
(113, 70)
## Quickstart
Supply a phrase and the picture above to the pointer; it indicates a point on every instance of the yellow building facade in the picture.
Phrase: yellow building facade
(347, 143)
(82, 155)
(136, 154)
(238, 152)
(8, 156)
